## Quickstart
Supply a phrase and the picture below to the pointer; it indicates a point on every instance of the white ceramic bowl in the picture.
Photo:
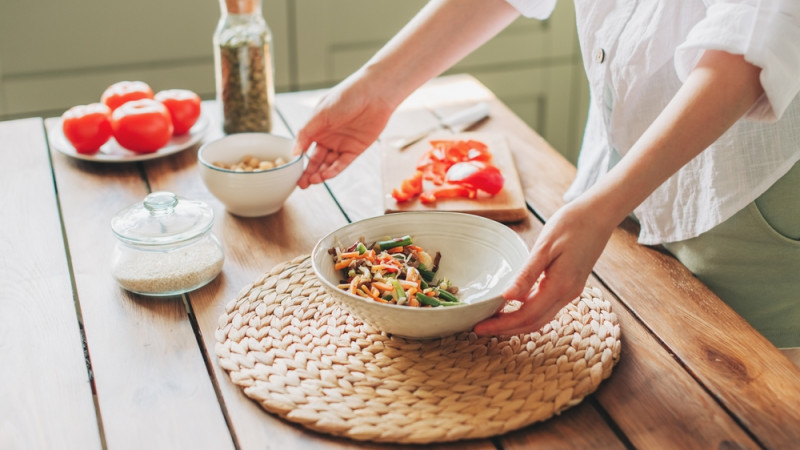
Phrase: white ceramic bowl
(250, 194)
(478, 255)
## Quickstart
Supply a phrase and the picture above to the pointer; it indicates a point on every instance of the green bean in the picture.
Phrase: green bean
(425, 300)
(427, 275)
(450, 303)
(446, 296)
(396, 242)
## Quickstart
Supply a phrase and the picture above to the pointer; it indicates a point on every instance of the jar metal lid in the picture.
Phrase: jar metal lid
(162, 218)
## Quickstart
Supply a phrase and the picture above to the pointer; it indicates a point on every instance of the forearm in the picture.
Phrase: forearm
(440, 35)
(715, 95)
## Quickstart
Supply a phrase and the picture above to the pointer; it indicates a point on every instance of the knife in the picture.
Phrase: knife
(456, 122)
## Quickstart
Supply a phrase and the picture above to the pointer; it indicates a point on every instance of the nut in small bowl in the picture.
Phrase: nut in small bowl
(252, 174)
(479, 256)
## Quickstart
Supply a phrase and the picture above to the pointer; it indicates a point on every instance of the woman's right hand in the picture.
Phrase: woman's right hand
(344, 124)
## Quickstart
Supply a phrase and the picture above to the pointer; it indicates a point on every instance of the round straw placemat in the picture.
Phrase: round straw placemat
(293, 350)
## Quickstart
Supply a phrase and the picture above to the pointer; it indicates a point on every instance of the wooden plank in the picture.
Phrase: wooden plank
(655, 401)
(507, 206)
(578, 427)
(149, 372)
(45, 393)
(749, 376)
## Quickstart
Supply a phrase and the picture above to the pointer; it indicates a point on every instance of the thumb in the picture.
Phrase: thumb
(527, 277)
(302, 143)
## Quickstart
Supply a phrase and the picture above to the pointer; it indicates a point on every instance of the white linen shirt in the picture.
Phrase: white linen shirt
(637, 53)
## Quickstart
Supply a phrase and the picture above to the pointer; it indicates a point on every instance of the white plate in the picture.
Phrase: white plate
(112, 152)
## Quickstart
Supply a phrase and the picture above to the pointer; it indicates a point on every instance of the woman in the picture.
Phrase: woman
(693, 128)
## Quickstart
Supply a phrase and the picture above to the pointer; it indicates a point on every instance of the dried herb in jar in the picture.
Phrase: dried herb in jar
(243, 57)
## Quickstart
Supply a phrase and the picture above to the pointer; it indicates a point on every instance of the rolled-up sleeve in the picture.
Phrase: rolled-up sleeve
(766, 33)
(534, 9)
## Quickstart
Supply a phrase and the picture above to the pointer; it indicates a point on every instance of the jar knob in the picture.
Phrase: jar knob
(160, 203)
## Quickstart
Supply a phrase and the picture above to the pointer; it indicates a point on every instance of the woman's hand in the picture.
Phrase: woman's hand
(344, 124)
(561, 260)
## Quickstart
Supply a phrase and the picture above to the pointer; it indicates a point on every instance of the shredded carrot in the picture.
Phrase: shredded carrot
(382, 286)
(412, 301)
(398, 249)
(367, 291)
(408, 284)
(342, 264)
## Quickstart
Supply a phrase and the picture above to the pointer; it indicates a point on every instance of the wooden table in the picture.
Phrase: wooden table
(87, 365)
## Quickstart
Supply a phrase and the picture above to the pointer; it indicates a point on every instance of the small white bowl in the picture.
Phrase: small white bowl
(250, 194)
(479, 256)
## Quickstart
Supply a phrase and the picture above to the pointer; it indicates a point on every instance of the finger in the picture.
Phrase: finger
(323, 169)
(298, 149)
(306, 137)
(502, 321)
(316, 161)
(532, 315)
(527, 277)
(338, 165)
(300, 145)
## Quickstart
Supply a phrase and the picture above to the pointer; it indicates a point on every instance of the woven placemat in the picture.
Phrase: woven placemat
(292, 349)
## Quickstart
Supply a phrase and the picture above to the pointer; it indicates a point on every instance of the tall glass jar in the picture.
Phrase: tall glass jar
(244, 67)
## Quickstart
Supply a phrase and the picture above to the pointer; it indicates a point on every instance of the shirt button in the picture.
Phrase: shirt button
(599, 55)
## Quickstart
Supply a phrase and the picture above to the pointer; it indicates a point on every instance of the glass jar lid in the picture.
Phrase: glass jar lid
(162, 218)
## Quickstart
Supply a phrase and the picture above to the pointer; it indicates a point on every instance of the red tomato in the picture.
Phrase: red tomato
(142, 126)
(183, 106)
(124, 91)
(87, 127)
(477, 175)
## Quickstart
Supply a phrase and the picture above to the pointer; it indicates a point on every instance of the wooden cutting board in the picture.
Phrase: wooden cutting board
(507, 206)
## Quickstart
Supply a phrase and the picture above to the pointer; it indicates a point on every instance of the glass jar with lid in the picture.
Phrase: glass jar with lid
(244, 67)
(165, 246)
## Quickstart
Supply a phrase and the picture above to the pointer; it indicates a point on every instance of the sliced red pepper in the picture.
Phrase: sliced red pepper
(436, 164)
(476, 175)
(447, 192)
(412, 184)
(401, 196)
(409, 188)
